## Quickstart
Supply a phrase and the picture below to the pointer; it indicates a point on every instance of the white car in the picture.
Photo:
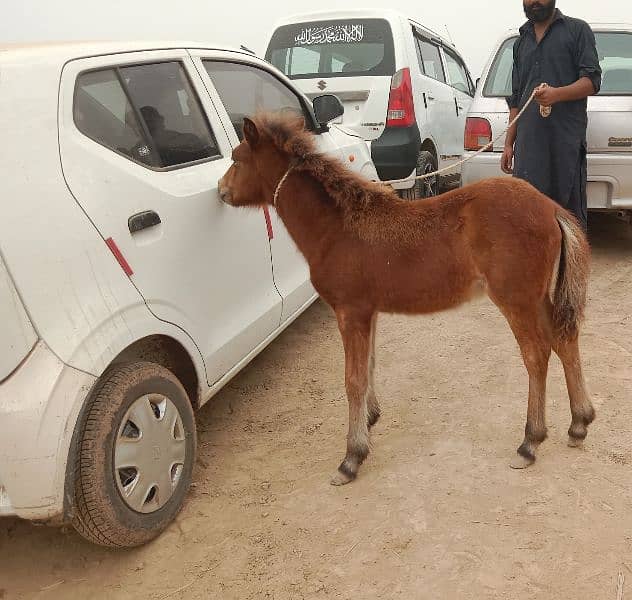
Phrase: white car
(129, 293)
(405, 88)
(609, 134)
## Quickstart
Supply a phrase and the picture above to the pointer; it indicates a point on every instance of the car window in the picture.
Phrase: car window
(246, 90)
(146, 112)
(615, 58)
(299, 61)
(333, 48)
(459, 77)
(430, 59)
(102, 111)
(171, 112)
(498, 82)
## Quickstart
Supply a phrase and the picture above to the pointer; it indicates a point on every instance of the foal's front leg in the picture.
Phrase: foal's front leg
(355, 329)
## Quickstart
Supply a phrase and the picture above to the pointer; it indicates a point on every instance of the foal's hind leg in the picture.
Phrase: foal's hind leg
(582, 410)
(533, 333)
(356, 337)
(373, 408)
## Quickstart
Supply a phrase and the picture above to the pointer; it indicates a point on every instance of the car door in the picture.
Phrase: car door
(463, 91)
(142, 150)
(244, 88)
(437, 98)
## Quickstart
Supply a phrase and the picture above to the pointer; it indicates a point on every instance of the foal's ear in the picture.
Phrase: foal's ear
(250, 132)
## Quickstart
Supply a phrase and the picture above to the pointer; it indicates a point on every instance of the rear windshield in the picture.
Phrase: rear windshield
(498, 82)
(341, 48)
(615, 57)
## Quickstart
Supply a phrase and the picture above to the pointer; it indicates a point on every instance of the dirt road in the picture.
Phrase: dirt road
(435, 513)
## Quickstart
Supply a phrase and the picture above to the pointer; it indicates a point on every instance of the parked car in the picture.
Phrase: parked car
(609, 134)
(129, 293)
(405, 88)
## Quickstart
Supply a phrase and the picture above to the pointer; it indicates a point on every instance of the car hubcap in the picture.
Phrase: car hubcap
(149, 453)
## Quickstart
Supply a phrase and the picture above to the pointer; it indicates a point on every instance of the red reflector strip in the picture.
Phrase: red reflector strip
(119, 257)
(266, 212)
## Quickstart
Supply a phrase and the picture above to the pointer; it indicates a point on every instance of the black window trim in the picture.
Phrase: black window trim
(148, 138)
(304, 102)
(416, 37)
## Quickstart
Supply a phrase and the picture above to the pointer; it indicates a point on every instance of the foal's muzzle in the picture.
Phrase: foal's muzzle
(224, 193)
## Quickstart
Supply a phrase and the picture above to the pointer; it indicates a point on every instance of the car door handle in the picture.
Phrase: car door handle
(143, 220)
(431, 97)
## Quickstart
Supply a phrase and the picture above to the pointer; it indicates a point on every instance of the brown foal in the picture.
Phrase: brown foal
(370, 252)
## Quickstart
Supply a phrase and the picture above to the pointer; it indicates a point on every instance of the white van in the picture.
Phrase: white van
(404, 88)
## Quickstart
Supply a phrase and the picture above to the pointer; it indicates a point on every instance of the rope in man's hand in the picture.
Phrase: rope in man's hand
(545, 111)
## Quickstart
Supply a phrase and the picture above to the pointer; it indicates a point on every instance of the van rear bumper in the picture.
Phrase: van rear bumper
(609, 177)
(395, 152)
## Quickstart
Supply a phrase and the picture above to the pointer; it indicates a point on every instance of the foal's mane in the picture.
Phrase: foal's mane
(372, 210)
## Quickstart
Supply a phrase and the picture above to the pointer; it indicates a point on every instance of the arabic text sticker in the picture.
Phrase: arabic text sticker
(331, 34)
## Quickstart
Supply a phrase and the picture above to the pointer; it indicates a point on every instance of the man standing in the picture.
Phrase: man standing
(550, 152)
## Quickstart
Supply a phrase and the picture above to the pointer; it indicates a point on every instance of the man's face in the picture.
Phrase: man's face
(538, 11)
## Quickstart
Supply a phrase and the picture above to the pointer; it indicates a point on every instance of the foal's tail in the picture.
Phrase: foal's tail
(569, 297)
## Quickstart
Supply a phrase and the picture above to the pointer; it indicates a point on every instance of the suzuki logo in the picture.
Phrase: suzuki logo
(321, 85)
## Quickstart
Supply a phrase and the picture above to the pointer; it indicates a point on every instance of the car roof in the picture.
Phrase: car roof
(64, 51)
(351, 13)
(358, 13)
(595, 26)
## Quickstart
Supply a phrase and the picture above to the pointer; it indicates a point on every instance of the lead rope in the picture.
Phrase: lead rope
(545, 111)
(484, 148)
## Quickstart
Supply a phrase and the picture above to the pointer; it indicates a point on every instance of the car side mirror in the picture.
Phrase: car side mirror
(327, 108)
(478, 79)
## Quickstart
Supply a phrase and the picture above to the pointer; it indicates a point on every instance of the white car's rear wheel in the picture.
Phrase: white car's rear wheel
(423, 188)
(135, 455)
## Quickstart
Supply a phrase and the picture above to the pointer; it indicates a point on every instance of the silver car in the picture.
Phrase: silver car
(609, 133)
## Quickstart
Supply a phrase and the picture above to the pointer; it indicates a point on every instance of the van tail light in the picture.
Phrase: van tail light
(401, 107)
(478, 132)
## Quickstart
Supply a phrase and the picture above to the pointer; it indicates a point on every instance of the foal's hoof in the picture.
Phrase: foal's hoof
(574, 442)
(521, 462)
(341, 478)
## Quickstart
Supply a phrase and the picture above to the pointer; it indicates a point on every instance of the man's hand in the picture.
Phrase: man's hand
(506, 162)
(547, 95)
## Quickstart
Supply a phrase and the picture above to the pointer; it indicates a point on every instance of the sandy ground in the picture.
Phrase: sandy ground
(435, 513)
